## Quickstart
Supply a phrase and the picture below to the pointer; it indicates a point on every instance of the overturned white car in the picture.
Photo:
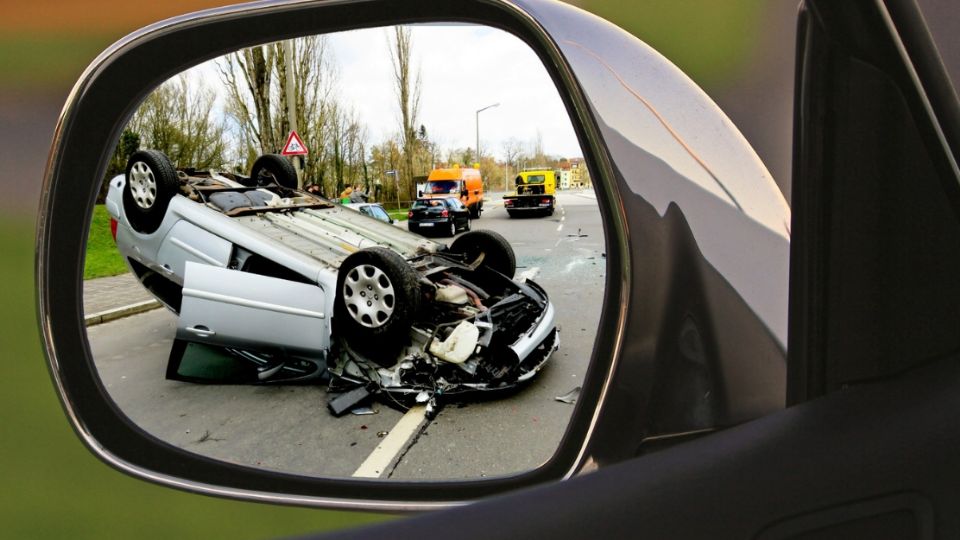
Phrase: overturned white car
(287, 280)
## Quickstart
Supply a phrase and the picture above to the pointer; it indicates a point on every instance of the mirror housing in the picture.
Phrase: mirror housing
(692, 334)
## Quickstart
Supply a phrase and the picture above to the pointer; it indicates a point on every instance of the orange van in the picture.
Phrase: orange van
(460, 182)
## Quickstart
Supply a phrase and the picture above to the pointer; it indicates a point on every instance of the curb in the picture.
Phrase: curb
(118, 313)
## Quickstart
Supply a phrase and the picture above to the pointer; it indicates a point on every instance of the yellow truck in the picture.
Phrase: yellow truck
(535, 193)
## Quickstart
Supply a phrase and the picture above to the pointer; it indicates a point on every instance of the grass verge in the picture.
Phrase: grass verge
(102, 259)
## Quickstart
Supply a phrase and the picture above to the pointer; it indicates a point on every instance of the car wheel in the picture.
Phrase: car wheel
(466, 226)
(378, 297)
(496, 250)
(453, 227)
(151, 181)
(273, 169)
(475, 211)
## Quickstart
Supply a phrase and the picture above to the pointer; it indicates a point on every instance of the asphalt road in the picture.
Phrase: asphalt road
(288, 428)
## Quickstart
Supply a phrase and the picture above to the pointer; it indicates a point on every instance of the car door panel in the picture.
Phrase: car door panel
(230, 308)
(188, 243)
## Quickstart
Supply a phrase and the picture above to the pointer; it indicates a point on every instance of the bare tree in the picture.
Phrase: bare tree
(385, 157)
(314, 80)
(407, 81)
(536, 153)
(512, 153)
(336, 129)
(247, 75)
(428, 151)
(256, 84)
(354, 150)
(176, 119)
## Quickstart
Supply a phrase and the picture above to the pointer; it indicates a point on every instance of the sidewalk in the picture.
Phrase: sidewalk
(106, 299)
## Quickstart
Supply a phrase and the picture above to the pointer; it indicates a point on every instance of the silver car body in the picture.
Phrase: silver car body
(202, 249)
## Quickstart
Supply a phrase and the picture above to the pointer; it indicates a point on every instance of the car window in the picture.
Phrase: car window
(378, 213)
(445, 186)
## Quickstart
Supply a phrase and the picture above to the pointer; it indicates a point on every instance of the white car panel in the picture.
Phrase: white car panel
(241, 310)
(188, 243)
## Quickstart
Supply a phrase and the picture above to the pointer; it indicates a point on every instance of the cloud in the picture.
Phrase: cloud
(463, 68)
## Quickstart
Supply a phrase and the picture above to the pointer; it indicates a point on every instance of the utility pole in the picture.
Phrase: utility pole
(396, 181)
(292, 104)
(478, 126)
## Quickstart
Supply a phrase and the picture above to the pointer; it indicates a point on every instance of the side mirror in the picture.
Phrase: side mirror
(670, 295)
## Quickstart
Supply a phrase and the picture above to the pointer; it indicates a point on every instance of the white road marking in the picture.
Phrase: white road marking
(529, 273)
(558, 242)
(560, 227)
(394, 443)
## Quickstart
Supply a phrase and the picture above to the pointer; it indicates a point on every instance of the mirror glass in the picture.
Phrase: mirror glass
(375, 253)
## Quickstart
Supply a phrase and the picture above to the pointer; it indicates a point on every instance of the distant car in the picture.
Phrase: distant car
(374, 210)
(251, 265)
(438, 216)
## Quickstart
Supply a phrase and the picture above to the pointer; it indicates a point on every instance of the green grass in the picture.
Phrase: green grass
(102, 259)
(398, 215)
(54, 488)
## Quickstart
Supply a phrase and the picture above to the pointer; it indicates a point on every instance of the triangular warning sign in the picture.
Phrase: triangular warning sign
(294, 146)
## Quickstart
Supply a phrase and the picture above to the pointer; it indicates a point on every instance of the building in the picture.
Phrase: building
(579, 174)
(564, 176)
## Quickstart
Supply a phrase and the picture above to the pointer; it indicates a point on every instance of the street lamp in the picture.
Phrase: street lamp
(396, 182)
(478, 126)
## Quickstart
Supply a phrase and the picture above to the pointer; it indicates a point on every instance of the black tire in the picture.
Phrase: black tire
(271, 169)
(380, 328)
(151, 181)
(496, 250)
(466, 226)
(452, 231)
(475, 211)
(511, 213)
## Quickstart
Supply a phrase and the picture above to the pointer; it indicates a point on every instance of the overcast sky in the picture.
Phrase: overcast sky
(463, 68)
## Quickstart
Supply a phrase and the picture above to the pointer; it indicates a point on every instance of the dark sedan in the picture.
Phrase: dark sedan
(439, 216)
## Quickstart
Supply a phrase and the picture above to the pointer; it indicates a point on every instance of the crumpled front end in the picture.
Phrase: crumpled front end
(483, 334)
